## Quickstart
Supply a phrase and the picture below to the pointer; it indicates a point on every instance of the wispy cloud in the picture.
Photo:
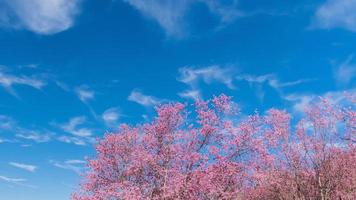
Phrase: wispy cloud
(17, 181)
(72, 140)
(34, 135)
(192, 75)
(2, 140)
(73, 128)
(40, 16)
(170, 14)
(12, 180)
(8, 80)
(111, 116)
(271, 79)
(30, 168)
(228, 76)
(76, 166)
(142, 99)
(190, 94)
(76, 126)
(84, 93)
(9, 125)
(226, 11)
(6, 122)
(301, 101)
(346, 71)
(336, 14)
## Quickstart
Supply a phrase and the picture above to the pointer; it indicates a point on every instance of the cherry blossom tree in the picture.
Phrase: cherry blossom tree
(212, 151)
(317, 161)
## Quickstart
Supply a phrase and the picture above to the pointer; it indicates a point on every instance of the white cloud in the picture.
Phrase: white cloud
(6, 122)
(73, 123)
(277, 84)
(74, 162)
(73, 165)
(336, 14)
(72, 127)
(72, 140)
(40, 16)
(301, 101)
(84, 93)
(346, 71)
(271, 79)
(142, 99)
(8, 80)
(30, 168)
(226, 12)
(255, 79)
(12, 180)
(17, 181)
(9, 125)
(4, 140)
(34, 135)
(190, 94)
(111, 116)
(79, 135)
(191, 75)
(170, 14)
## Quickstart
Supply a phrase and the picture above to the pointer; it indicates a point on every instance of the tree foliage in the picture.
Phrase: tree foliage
(214, 152)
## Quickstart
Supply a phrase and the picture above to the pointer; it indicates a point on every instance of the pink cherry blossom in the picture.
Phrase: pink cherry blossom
(216, 153)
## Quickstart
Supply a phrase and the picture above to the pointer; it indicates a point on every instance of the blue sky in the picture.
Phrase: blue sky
(71, 70)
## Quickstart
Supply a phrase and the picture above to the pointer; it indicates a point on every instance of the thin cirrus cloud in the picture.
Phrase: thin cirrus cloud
(346, 71)
(72, 165)
(30, 168)
(72, 140)
(336, 14)
(10, 125)
(111, 116)
(84, 93)
(73, 128)
(271, 79)
(4, 140)
(17, 181)
(190, 94)
(301, 101)
(9, 80)
(79, 135)
(170, 14)
(7, 123)
(192, 75)
(12, 180)
(43, 17)
(143, 99)
(34, 135)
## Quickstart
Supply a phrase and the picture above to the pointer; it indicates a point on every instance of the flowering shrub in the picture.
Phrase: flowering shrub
(223, 155)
